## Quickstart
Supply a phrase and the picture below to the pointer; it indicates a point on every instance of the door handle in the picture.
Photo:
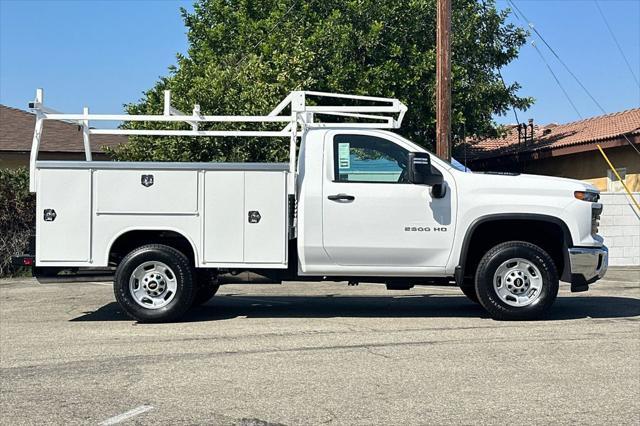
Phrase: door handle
(341, 197)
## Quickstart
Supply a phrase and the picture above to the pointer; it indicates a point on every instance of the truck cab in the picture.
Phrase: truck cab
(355, 203)
(362, 210)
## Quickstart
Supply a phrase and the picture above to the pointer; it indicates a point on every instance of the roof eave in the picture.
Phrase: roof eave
(538, 154)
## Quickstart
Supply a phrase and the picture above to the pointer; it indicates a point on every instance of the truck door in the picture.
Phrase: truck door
(372, 215)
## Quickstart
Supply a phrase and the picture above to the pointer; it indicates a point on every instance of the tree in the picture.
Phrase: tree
(245, 56)
(17, 209)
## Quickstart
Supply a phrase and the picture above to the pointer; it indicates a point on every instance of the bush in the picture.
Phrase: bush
(17, 216)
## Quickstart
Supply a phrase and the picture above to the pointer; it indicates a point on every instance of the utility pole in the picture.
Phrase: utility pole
(443, 80)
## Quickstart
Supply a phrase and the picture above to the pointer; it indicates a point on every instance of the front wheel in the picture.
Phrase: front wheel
(155, 283)
(516, 280)
(469, 290)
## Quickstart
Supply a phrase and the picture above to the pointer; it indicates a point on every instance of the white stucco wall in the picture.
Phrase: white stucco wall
(620, 227)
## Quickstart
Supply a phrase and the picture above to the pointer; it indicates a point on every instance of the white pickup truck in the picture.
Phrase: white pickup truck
(355, 203)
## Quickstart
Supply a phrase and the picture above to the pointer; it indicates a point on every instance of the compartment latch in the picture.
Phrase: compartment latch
(254, 216)
(146, 180)
(49, 215)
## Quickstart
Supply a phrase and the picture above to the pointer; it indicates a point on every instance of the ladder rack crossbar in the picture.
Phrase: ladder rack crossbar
(237, 133)
(169, 118)
(348, 96)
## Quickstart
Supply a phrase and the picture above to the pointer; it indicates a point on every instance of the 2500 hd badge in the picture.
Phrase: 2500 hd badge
(424, 229)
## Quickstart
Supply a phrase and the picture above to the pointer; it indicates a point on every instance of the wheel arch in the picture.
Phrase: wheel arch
(132, 237)
(560, 255)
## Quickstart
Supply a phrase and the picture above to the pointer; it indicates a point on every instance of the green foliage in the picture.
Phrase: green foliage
(17, 209)
(245, 56)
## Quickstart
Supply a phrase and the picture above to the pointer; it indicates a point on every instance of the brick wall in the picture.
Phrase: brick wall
(620, 227)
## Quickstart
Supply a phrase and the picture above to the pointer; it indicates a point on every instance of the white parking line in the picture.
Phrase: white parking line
(125, 416)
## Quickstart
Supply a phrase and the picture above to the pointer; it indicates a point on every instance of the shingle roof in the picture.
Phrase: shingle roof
(554, 136)
(16, 134)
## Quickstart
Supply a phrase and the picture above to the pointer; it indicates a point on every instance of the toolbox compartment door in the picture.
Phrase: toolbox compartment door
(265, 231)
(63, 216)
(223, 216)
(146, 191)
(245, 218)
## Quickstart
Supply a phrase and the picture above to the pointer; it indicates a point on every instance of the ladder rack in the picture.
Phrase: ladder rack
(382, 113)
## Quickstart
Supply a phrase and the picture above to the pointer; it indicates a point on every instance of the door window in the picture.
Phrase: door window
(362, 158)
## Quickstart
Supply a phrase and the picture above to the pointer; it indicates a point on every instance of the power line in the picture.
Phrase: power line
(615, 40)
(505, 86)
(556, 79)
(566, 67)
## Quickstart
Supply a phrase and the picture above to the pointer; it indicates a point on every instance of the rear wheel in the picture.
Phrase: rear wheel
(155, 283)
(207, 286)
(516, 280)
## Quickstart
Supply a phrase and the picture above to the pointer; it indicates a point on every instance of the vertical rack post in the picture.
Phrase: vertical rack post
(85, 134)
(297, 107)
(196, 113)
(167, 102)
(37, 135)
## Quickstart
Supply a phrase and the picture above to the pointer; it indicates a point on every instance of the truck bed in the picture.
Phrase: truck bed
(232, 214)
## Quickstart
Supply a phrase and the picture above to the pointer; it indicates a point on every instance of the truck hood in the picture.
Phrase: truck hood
(539, 184)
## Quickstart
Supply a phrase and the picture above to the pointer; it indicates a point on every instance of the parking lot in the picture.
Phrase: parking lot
(305, 353)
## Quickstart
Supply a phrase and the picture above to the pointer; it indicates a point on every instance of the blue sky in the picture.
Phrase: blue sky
(576, 31)
(105, 53)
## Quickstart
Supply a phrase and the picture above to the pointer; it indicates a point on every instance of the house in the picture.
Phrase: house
(570, 150)
(566, 150)
(60, 140)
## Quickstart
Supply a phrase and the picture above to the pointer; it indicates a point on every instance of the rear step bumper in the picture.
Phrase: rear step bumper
(28, 259)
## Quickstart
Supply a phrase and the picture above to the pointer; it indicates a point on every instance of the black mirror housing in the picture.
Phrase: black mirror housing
(420, 170)
(439, 190)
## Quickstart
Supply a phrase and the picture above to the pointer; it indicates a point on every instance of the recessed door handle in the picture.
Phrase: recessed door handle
(341, 197)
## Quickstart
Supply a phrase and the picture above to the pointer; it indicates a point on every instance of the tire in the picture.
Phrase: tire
(516, 280)
(469, 290)
(207, 287)
(155, 283)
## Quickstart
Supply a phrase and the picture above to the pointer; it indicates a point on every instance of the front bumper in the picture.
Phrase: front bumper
(588, 265)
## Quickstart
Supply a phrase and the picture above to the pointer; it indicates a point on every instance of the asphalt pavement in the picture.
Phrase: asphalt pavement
(319, 353)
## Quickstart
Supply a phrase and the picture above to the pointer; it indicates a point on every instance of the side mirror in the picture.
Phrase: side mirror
(439, 190)
(421, 173)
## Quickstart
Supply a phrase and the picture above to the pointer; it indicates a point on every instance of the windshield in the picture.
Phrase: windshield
(453, 163)
(459, 166)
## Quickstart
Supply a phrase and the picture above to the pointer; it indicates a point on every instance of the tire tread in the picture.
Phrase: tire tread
(501, 311)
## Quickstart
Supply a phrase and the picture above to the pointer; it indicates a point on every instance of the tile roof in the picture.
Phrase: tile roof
(16, 134)
(554, 136)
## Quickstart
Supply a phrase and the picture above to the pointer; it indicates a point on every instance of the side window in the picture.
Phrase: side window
(361, 158)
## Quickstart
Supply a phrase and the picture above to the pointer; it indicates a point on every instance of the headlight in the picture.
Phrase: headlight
(589, 196)
(596, 211)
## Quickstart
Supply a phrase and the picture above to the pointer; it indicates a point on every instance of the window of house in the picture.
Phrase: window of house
(614, 184)
(362, 158)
